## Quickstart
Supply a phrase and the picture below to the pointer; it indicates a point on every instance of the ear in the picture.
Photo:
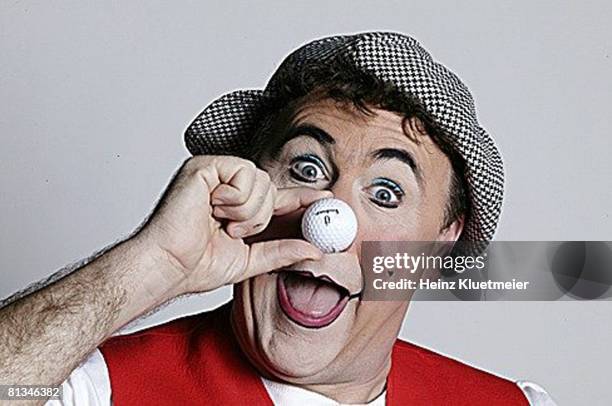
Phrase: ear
(453, 231)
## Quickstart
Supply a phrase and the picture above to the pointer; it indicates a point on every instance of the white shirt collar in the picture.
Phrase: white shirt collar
(283, 394)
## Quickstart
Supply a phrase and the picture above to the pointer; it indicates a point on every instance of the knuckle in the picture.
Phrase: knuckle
(249, 164)
(237, 161)
(261, 225)
(196, 163)
(261, 199)
(273, 190)
(243, 213)
(263, 176)
(261, 219)
(269, 202)
(242, 197)
(274, 250)
(203, 159)
(250, 210)
(190, 164)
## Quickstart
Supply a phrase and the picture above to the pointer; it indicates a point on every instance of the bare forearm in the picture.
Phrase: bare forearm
(45, 335)
(182, 248)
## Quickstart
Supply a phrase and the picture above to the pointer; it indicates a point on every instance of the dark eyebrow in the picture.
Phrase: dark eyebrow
(321, 136)
(402, 156)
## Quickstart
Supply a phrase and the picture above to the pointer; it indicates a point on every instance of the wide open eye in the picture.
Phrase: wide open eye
(386, 193)
(307, 168)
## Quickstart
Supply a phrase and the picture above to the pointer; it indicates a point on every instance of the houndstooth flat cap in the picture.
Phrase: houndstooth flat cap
(227, 125)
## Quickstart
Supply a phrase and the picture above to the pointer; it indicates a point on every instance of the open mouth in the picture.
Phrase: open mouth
(310, 301)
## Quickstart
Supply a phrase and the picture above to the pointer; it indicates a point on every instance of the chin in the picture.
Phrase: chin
(285, 341)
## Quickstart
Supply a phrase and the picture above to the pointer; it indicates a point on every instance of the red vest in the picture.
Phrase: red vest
(195, 360)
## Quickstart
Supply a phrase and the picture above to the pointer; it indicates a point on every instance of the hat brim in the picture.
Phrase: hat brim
(227, 125)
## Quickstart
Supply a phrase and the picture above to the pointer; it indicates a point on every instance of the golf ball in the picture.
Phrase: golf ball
(329, 224)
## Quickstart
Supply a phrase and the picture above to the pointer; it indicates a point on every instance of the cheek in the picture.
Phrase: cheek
(413, 225)
(388, 226)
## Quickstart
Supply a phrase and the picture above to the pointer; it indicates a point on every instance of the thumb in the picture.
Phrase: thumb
(270, 255)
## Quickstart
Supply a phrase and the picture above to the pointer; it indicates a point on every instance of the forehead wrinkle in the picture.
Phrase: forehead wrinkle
(355, 131)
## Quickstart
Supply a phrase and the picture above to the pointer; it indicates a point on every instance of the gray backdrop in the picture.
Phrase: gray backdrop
(95, 98)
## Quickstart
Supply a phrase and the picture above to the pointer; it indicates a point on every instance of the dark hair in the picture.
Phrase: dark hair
(342, 81)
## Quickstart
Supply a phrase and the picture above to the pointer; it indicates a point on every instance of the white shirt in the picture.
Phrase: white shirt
(89, 385)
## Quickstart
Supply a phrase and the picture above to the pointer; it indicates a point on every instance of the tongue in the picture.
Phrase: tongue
(311, 296)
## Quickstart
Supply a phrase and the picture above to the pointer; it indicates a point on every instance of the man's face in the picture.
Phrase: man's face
(312, 327)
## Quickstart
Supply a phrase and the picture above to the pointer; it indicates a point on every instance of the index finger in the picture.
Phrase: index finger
(292, 199)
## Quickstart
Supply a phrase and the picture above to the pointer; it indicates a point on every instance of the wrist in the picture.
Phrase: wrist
(160, 276)
(146, 274)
